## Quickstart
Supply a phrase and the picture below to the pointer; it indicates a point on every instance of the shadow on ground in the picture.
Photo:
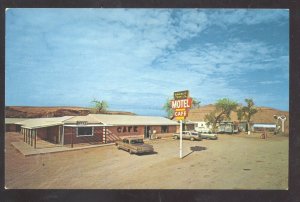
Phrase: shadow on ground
(144, 154)
(197, 148)
(194, 149)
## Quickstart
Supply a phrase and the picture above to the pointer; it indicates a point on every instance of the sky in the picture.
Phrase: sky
(135, 59)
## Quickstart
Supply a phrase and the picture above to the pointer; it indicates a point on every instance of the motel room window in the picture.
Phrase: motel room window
(164, 129)
(85, 131)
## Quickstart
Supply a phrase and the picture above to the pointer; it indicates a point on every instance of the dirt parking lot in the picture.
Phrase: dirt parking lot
(231, 162)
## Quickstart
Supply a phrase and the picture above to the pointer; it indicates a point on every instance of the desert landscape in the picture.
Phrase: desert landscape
(55, 111)
(231, 162)
(238, 161)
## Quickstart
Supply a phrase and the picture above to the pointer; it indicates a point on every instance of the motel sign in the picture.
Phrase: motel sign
(181, 104)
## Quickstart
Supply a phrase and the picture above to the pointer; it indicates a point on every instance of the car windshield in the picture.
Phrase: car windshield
(137, 141)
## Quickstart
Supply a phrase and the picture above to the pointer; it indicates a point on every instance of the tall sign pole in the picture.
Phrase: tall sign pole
(180, 146)
(181, 104)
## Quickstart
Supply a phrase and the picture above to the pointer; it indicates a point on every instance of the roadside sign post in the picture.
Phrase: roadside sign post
(181, 104)
(180, 147)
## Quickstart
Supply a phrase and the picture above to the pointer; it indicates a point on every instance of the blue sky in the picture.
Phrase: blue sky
(136, 58)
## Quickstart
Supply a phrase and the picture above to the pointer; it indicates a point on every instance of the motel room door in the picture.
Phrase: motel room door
(147, 132)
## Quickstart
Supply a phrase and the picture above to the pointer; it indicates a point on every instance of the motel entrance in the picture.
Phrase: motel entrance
(147, 132)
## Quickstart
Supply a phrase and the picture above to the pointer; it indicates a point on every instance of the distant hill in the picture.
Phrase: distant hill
(264, 114)
(39, 112)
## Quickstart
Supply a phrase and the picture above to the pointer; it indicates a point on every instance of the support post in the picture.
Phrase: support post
(63, 135)
(72, 138)
(180, 147)
(23, 133)
(26, 137)
(59, 134)
(31, 137)
(282, 127)
(35, 138)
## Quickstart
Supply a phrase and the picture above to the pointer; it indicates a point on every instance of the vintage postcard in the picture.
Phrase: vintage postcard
(147, 98)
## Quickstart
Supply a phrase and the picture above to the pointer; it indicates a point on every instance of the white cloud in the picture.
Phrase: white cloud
(270, 82)
(130, 55)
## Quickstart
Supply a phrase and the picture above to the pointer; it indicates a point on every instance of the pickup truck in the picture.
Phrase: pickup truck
(134, 145)
(188, 135)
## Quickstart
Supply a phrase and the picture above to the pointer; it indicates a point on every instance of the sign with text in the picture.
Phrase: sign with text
(180, 114)
(181, 95)
(181, 104)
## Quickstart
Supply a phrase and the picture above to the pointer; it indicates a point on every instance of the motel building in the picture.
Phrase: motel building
(91, 129)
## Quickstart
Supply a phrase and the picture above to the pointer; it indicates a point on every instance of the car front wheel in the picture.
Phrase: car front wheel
(192, 139)
(175, 137)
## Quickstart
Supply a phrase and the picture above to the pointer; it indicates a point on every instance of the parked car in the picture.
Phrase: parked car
(188, 135)
(134, 145)
(209, 135)
(202, 129)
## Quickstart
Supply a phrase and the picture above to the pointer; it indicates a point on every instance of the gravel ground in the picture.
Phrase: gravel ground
(231, 162)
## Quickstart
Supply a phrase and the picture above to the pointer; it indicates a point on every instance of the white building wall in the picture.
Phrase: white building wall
(202, 127)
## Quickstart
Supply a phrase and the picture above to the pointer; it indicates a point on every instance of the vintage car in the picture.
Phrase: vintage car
(188, 135)
(134, 145)
(209, 135)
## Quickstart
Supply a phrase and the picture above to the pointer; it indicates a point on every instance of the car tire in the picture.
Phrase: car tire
(192, 139)
(176, 137)
(118, 147)
(130, 152)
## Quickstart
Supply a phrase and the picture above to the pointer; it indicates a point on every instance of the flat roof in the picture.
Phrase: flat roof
(266, 125)
(88, 119)
(14, 120)
(43, 122)
(93, 120)
(123, 120)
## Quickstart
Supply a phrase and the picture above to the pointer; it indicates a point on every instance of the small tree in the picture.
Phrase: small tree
(248, 111)
(210, 120)
(195, 103)
(168, 108)
(224, 107)
(240, 114)
(100, 106)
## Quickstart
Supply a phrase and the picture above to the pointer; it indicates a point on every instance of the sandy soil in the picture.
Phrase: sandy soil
(231, 162)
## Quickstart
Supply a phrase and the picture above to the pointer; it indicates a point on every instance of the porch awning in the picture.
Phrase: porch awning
(264, 125)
